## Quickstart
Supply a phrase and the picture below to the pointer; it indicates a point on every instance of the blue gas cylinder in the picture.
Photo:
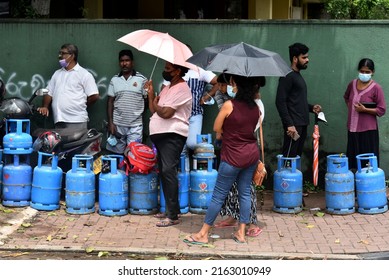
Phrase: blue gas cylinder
(18, 139)
(337, 163)
(113, 188)
(17, 178)
(80, 186)
(183, 189)
(287, 186)
(370, 186)
(1, 173)
(143, 193)
(339, 186)
(46, 183)
(204, 147)
(202, 183)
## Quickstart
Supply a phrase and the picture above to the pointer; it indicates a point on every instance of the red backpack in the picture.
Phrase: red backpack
(139, 158)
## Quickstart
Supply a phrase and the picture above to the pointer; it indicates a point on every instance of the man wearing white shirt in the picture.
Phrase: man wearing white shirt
(71, 90)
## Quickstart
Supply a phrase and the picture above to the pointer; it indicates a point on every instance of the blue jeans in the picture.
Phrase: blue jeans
(227, 174)
(195, 126)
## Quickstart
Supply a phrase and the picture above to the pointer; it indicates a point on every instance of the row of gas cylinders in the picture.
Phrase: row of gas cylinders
(118, 194)
(345, 192)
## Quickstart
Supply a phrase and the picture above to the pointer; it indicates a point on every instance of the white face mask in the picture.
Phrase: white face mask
(230, 91)
(364, 77)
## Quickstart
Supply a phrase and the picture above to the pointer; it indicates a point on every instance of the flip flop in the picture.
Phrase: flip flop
(192, 241)
(167, 223)
(237, 240)
(163, 215)
(160, 216)
(253, 232)
(224, 224)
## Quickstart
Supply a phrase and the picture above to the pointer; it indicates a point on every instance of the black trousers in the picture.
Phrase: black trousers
(169, 147)
(293, 148)
(362, 143)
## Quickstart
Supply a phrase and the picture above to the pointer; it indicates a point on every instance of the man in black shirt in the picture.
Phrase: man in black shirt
(292, 103)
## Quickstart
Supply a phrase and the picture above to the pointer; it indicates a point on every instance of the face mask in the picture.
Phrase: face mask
(112, 140)
(167, 76)
(63, 63)
(230, 91)
(211, 101)
(364, 77)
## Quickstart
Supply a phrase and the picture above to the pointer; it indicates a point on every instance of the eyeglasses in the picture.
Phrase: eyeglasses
(62, 53)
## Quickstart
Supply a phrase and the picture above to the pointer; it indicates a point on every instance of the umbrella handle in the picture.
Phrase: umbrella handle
(152, 72)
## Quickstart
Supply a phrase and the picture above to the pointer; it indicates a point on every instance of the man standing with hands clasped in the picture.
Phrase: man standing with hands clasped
(292, 102)
(72, 89)
(126, 104)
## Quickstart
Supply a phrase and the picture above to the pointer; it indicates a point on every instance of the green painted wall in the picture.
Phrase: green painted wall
(29, 57)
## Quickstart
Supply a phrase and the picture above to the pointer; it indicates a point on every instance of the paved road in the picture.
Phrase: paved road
(306, 235)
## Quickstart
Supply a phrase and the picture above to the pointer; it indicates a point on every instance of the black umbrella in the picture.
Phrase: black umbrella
(240, 59)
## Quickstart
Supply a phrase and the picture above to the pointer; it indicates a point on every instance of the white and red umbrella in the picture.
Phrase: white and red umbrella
(315, 165)
(316, 136)
(161, 45)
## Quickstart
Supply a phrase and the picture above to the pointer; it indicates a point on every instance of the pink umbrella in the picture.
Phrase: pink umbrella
(161, 45)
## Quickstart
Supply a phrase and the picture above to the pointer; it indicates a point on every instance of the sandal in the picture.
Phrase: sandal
(225, 224)
(167, 223)
(235, 238)
(160, 216)
(163, 216)
(190, 240)
(253, 232)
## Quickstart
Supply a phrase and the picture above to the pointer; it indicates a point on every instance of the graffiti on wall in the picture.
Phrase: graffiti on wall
(16, 87)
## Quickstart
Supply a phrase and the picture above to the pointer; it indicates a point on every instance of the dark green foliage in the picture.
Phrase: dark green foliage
(357, 9)
(23, 9)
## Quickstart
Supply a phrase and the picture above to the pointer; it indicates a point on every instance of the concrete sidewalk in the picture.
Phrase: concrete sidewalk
(306, 235)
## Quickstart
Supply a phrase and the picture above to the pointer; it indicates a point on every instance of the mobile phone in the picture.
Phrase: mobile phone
(295, 136)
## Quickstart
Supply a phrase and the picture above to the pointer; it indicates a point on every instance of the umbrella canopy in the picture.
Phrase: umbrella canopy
(241, 59)
(161, 45)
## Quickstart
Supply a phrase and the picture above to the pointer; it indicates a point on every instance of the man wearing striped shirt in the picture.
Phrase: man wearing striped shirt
(125, 105)
(197, 82)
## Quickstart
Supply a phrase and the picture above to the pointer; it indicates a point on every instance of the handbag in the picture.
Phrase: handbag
(138, 158)
(260, 172)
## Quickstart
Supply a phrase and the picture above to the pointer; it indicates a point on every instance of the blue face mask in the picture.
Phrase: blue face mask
(210, 101)
(112, 140)
(230, 91)
(364, 77)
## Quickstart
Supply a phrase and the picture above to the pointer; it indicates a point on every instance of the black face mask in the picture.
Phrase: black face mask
(166, 75)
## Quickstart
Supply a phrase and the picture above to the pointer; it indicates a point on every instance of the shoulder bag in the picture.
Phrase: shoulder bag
(260, 172)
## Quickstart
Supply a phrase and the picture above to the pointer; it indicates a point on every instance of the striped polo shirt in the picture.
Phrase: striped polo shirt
(129, 99)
